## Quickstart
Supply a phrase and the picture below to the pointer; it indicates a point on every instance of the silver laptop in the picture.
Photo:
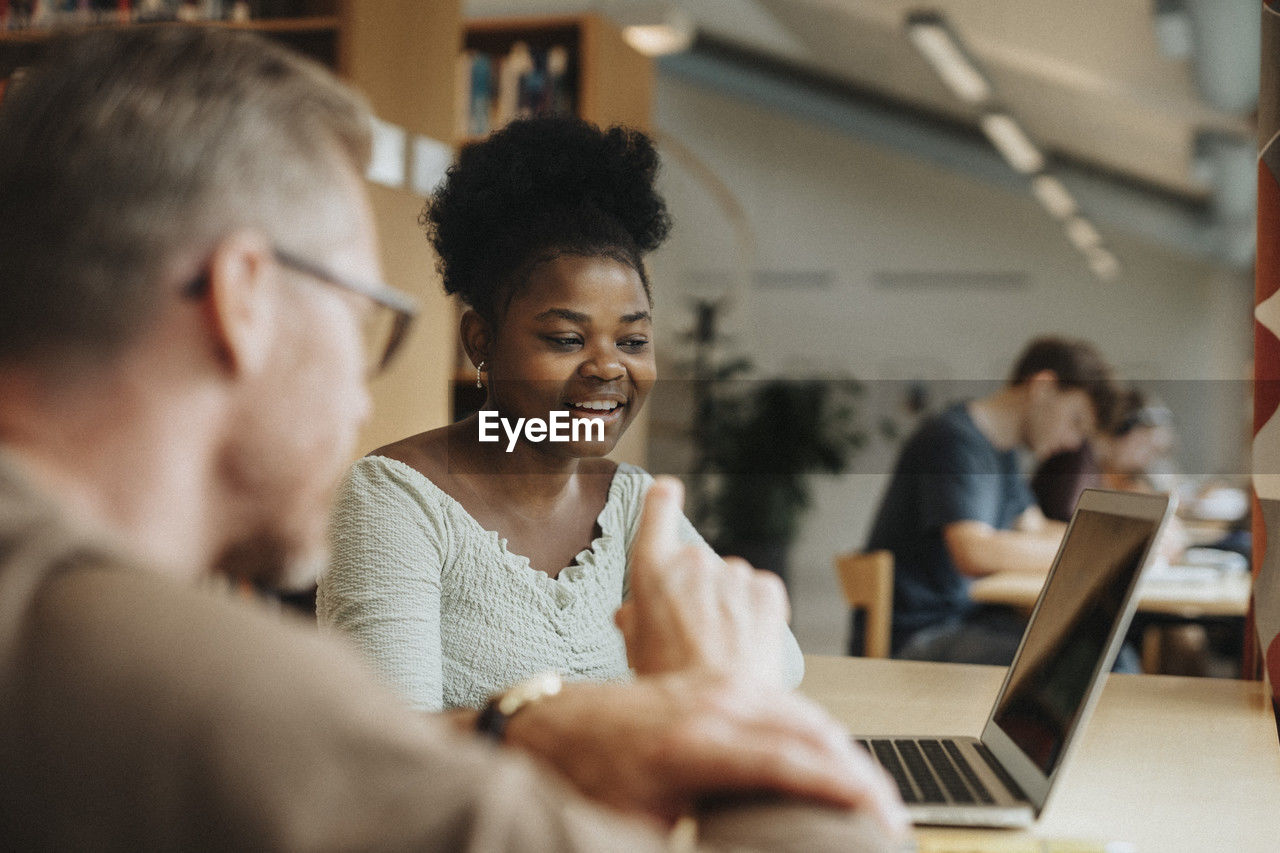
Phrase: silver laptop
(1069, 646)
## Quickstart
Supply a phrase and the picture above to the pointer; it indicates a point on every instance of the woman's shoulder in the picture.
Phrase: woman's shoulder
(389, 474)
(628, 487)
(632, 474)
(426, 453)
(384, 500)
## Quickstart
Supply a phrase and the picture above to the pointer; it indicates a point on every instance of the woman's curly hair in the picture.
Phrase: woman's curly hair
(537, 189)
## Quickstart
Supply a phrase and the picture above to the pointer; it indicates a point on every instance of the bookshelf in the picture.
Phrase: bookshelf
(604, 81)
(311, 27)
(401, 54)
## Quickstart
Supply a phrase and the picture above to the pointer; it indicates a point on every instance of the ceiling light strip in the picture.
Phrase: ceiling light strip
(1012, 142)
(1053, 196)
(945, 53)
(958, 73)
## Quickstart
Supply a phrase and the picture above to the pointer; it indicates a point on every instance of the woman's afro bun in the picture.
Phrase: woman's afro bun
(539, 188)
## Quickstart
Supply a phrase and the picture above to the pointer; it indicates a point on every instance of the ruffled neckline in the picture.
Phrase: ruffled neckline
(583, 562)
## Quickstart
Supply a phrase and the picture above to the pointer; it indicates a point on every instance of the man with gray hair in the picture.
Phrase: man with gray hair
(189, 310)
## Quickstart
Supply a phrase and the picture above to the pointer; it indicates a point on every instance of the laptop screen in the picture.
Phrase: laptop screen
(1049, 681)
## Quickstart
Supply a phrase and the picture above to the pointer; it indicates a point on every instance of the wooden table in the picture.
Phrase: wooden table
(1227, 595)
(1167, 764)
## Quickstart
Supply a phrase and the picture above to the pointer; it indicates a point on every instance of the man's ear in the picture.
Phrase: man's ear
(239, 303)
(477, 336)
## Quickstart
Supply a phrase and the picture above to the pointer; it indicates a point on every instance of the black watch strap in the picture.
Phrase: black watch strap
(498, 711)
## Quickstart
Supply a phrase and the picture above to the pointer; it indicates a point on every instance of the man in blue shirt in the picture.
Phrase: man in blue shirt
(958, 506)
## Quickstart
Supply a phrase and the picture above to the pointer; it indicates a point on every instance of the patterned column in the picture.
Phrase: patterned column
(1266, 361)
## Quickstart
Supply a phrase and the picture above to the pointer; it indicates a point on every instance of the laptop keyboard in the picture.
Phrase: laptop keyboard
(934, 771)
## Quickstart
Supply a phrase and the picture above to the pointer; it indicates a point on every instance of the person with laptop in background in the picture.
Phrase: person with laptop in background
(959, 507)
(188, 278)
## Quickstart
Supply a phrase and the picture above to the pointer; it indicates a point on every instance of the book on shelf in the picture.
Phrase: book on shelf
(51, 14)
(558, 80)
(525, 81)
(480, 95)
(515, 67)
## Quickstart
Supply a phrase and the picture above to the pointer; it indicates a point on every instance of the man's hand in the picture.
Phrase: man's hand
(691, 610)
(707, 716)
(664, 743)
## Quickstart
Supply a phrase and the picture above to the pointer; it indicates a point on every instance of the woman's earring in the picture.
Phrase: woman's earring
(479, 367)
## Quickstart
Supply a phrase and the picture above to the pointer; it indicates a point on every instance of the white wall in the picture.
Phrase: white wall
(817, 201)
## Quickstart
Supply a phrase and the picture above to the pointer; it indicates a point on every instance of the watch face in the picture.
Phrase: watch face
(492, 720)
(542, 684)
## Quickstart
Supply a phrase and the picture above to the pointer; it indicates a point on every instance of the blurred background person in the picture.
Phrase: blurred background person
(958, 506)
(1120, 455)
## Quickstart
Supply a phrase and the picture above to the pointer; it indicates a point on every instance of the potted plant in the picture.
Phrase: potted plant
(757, 442)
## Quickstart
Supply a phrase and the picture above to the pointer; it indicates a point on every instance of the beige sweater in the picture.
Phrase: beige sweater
(449, 616)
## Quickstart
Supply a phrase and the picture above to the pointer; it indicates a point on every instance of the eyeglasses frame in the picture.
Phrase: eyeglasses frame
(404, 307)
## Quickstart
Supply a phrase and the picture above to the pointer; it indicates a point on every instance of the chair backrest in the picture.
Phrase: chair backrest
(867, 581)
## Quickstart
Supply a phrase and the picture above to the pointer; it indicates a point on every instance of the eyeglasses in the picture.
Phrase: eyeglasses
(385, 328)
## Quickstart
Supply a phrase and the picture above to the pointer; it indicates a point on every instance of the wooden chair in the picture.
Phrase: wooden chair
(867, 581)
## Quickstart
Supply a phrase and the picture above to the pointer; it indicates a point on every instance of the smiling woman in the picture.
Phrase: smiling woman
(465, 562)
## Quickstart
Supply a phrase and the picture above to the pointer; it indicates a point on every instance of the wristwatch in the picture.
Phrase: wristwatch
(501, 707)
